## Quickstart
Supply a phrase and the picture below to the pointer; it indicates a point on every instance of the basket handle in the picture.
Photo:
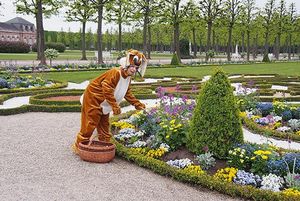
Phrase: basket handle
(91, 139)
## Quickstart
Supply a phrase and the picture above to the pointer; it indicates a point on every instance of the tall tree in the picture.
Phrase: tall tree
(99, 6)
(80, 11)
(192, 17)
(210, 10)
(267, 15)
(232, 11)
(39, 8)
(292, 18)
(280, 18)
(147, 10)
(173, 14)
(249, 11)
(119, 11)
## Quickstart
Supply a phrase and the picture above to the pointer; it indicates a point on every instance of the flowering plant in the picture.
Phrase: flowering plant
(226, 174)
(180, 163)
(245, 178)
(271, 182)
(260, 160)
(194, 169)
(238, 158)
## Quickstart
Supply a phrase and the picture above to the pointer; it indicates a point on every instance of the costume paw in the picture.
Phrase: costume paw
(140, 106)
(116, 110)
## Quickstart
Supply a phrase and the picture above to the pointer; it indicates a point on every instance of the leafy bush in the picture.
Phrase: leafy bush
(206, 160)
(184, 46)
(175, 60)
(215, 122)
(264, 108)
(14, 47)
(3, 83)
(266, 58)
(286, 115)
(51, 54)
(60, 47)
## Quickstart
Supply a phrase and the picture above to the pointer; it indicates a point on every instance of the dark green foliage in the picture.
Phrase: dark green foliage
(184, 48)
(14, 47)
(60, 47)
(266, 58)
(175, 60)
(216, 122)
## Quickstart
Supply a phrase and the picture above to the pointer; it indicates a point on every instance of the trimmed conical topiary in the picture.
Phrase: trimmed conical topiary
(215, 123)
(175, 60)
(266, 58)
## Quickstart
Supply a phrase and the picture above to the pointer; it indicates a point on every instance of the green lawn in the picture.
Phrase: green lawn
(68, 54)
(292, 69)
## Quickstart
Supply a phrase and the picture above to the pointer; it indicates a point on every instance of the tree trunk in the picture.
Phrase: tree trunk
(37, 37)
(99, 34)
(194, 42)
(266, 42)
(120, 38)
(176, 40)
(289, 46)
(145, 27)
(229, 43)
(243, 42)
(248, 45)
(41, 33)
(255, 46)
(83, 42)
(213, 39)
(208, 43)
(149, 43)
(277, 51)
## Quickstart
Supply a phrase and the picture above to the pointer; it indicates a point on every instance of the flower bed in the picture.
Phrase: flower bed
(277, 118)
(251, 171)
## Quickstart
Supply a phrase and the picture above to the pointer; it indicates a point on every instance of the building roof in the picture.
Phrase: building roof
(14, 24)
(4, 26)
(18, 20)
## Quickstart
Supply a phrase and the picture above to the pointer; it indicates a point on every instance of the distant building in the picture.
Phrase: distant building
(18, 29)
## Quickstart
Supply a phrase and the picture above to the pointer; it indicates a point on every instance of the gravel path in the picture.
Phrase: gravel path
(37, 164)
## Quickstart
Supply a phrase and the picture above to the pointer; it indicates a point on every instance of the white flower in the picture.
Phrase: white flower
(180, 163)
(164, 146)
(137, 144)
(271, 182)
(283, 129)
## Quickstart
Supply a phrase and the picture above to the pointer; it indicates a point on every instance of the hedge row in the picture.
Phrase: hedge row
(40, 108)
(40, 105)
(254, 127)
(204, 180)
(16, 90)
(40, 98)
(60, 47)
(14, 47)
(31, 92)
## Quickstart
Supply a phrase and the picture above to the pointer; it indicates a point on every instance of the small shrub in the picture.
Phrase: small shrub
(175, 60)
(215, 122)
(3, 83)
(206, 160)
(51, 54)
(266, 58)
(184, 46)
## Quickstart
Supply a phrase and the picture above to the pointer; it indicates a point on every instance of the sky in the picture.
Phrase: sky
(58, 23)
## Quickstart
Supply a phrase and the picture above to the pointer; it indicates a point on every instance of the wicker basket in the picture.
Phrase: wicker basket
(96, 151)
